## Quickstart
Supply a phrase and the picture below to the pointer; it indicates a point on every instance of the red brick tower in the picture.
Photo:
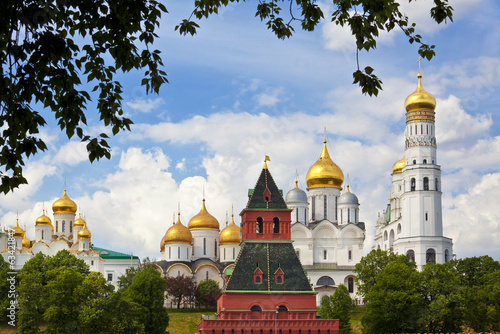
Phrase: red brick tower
(268, 291)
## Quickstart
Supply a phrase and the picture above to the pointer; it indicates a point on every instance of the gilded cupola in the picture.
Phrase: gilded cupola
(25, 243)
(64, 205)
(398, 166)
(43, 220)
(79, 222)
(420, 105)
(18, 232)
(203, 220)
(178, 233)
(84, 233)
(324, 172)
(230, 234)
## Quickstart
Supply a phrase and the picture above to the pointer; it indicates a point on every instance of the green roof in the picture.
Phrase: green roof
(268, 257)
(109, 254)
(266, 187)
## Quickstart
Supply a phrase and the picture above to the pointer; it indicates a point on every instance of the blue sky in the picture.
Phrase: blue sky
(237, 93)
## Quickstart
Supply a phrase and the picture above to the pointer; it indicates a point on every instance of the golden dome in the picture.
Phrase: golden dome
(64, 205)
(324, 173)
(79, 222)
(26, 243)
(162, 244)
(203, 220)
(178, 233)
(399, 165)
(420, 99)
(230, 234)
(84, 233)
(18, 232)
(43, 220)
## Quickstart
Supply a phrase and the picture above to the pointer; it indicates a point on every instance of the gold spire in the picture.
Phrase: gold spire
(64, 205)
(84, 233)
(43, 220)
(203, 220)
(231, 234)
(324, 172)
(18, 231)
(420, 105)
(266, 159)
(80, 222)
(178, 233)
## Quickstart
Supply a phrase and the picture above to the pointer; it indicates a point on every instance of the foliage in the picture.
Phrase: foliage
(371, 265)
(42, 62)
(125, 280)
(181, 288)
(148, 291)
(4, 289)
(394, 303)
(338, 306)
(365, 18)
(206, 293)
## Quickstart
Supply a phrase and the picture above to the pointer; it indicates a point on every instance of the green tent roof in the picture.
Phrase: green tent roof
(109, 254)
(265, 184)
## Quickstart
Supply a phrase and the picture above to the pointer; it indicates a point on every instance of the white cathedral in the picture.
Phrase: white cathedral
(68, 234)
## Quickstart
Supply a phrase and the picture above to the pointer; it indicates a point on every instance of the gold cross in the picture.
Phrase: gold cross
(419, 59)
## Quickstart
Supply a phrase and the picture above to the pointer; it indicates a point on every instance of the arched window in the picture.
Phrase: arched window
(57, 226)
(426, 183)
(279, 279)
(215, 248)
(257, 279)
(425, 161)
(325, 280)
(313, 208)
(436, 184)
(430, 256)
(178, 252)
(414, 162)
(324, 206)
(256, 308)
(296, 214)
(349, 254)
(276, 225)
(399, 228)
(282, 308)
(204, 246)
(63, 225)
(42, 234)
(385, 236)
(410, 255)
(234, 253)
(412, 184)
(224, 253)
(324, 254)
(446, 256)
(259, 225)
(350, 284)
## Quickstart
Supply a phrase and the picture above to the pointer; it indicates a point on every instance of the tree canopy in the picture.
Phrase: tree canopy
(50, 49)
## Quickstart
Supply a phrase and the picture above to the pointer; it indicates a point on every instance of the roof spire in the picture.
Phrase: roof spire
(266, 158)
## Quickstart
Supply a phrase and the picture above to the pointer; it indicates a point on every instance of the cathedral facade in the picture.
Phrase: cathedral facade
(66, 233)
(412, 224)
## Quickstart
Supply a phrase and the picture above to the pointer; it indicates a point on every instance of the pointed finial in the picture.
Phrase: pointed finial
(203, 191)
(419, 59)
(173, 218)
(324, 136)
(226, 218)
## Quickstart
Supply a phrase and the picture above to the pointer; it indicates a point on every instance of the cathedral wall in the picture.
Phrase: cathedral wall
(205, 244)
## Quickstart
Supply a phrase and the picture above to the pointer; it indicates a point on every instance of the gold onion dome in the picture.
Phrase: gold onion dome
(203, 220)
(420, 99)
(43, 220)
(324, 172)
(64, 205)
(177, 234)
(25, 243)
(398, 166)
(17, 231)
(84, 233)
(80, 222)
(162, 244)
(230, 234)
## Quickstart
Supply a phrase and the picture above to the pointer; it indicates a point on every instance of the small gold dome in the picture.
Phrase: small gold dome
(17, 231)
(84, 233)
(26, 243)
(324, 172)
(43, 220)
(203, 220)
(420, 99)
(178, 233)
(230, 234)
(80, 222)
(398, 166)
(162, 244)
(64, 205)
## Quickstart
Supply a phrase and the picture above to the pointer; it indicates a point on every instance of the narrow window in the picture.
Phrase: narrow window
(348, 215)
(426, 216)
(410, 131)
(324, 204)
(63, 225)
(427, 132)
(335, 200)
(341, 216)
(446, 256)
(169, 252)
(178, 252)
(412, 184)
(414, 162)
(215, 248)
(279, 280)
(234, 251)
(350, 255)
(110, 277)
(92, 262)
(259, 225)
(224, 253)
(257, 279)
(426, 183)
(313, 208)
(350, 284)
(425, 161)
(42, 234)
(430, 256)
(324, 255)
(204, 246)
(178, 273)
(436, 184)
(206, 278)
(421, 129)
(70, 227)
(276, 225)
(416, 132)
(297, 214)
(411, 255)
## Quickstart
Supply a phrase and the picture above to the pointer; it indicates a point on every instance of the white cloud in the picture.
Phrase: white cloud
(71, 153)
(145, 105)
(181, 165)
(270, 97)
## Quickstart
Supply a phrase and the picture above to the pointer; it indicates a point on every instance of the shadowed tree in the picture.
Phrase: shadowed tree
(181, 288)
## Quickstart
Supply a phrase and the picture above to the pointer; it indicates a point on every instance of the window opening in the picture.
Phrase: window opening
(324, 207)
(411, 255)
(350, 255)
(63, 225)
(325, 280)
(430, 256)
(350, 284)
(324, 255)
(204, 246)
(259, 225)
(426, 183)
(276, 225)
(412, 184)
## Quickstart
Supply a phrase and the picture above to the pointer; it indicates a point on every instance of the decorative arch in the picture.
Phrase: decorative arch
(331, 231)
(325, 280)
(178, 264)
(204, 265)
(410, 254)
(430, 255)
(154, 265)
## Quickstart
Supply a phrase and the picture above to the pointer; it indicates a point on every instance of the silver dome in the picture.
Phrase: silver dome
(348, 198)
(296, 195)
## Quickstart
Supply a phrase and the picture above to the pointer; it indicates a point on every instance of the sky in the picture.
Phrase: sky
(237, 93)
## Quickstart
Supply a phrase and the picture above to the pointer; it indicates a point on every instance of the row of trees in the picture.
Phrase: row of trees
(441, 298)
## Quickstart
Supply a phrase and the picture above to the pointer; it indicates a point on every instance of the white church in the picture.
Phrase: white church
(66, 233)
